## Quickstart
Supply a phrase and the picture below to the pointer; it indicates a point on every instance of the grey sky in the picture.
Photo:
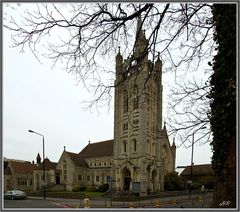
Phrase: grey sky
(48, 101)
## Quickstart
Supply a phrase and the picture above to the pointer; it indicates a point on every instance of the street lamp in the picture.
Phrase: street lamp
(191, 174)
(44, 181)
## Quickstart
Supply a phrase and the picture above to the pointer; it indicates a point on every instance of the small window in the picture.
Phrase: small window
(153, 149)
(148, 147)
(124, 146)
(88, 178)
(97, 178)
(134, 145)
(79, 177)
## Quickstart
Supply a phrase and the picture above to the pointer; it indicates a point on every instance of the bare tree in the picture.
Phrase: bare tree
(78, 35)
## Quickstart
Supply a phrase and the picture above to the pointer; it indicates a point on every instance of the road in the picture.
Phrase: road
(31, 203)
(181, 201)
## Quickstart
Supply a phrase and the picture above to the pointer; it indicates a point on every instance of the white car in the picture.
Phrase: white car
(14, 194)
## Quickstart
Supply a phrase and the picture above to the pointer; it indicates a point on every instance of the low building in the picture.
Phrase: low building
(201, 175)
(28, 176)
(89, 168)
(19, 175)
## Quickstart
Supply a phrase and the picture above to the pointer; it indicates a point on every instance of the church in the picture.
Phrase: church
(139, 155)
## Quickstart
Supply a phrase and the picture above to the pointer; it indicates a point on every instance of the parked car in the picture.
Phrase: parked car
(14, 194)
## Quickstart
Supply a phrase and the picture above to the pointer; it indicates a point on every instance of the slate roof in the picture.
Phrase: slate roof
(77, 159)
(23, 167)
(203, 169)
(99, 149)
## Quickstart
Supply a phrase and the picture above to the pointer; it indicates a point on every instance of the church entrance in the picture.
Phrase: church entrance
(154, 180)
(57, 178)
(126, 179)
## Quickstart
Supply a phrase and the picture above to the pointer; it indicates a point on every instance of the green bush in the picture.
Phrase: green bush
(76, 188)
(83, 188)
(208, 181)
(103, 188)
(196, 186)
(173, 182)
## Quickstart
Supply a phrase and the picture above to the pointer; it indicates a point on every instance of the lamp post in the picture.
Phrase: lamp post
(44, 180)
(191, 173)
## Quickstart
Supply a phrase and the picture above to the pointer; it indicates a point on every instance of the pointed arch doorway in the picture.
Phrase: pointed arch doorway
(126, 179)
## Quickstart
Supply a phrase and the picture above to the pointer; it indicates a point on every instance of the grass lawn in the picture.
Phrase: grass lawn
(69, 194)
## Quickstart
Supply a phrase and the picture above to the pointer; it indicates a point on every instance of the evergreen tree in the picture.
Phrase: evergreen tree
(223, 105)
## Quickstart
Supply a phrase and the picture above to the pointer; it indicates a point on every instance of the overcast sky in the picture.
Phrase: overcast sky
(49, 101)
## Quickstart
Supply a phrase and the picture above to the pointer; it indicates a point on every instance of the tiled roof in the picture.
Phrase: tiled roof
(48, 165)
(99, 149)
(23, 167)
(203, 169)
(77, 159)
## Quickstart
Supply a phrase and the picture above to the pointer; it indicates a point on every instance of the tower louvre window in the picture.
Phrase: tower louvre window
(125, 102)
(135, 102)
(124, 146)
(134, 145)
(135, 98)
(153, 149)
(125, 126)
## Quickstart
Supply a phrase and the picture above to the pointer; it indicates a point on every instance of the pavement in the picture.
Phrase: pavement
(200, 200)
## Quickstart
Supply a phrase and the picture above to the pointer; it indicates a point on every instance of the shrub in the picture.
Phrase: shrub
(196, 186)
(103, 188)
(82, 188)
(173, 182)
(76, 188)
(208, 181)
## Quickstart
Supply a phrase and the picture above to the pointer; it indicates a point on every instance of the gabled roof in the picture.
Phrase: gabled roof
(48, 165)
(77, 159)
(99, 149)
(203, 169)
(23, 167)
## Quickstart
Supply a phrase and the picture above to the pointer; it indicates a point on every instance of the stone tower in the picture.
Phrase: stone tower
(142, 152)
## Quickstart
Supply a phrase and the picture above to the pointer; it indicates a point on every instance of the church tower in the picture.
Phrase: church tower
(142, 153)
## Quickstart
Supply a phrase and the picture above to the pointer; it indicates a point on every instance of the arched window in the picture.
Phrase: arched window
(65, 170)
(125, 126)
(153, 148)
(124, 146)
(134, 145)
(135, 98)
(125, 102)
(148, 147)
